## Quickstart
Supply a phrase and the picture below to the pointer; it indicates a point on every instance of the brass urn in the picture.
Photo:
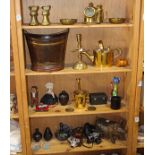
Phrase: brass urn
(80, 96)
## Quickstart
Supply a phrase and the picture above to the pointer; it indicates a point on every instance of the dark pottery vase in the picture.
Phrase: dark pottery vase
(115, 102)
(63, 97)
(63, 132)
(47, 51)
(48, 134)
(37, 135)
(48, 99)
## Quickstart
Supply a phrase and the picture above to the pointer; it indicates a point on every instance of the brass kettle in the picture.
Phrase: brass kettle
(103, 56)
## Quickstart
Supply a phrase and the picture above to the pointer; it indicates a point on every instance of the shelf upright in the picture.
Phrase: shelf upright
(17, 76)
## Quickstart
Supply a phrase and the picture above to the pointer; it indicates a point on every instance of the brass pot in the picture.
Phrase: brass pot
(47, 51)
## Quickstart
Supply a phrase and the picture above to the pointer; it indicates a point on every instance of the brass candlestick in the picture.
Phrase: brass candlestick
(46, 13)
(34, 13)
(79, 65)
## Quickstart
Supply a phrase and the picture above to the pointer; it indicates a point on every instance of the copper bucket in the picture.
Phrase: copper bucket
(47, 51)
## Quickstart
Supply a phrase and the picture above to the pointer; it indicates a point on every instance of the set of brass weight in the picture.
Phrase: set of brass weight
(34, 15)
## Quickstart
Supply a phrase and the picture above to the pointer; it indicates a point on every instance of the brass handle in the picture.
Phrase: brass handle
(119, 52)
(79, 83)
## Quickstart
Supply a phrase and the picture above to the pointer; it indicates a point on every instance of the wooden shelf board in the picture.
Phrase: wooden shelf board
(12, 73)
(89, 70)
(140, 145)
(14, 116)
(18, 153)
(56, 146)
(78, 25)
(142, 108)
(60, 111)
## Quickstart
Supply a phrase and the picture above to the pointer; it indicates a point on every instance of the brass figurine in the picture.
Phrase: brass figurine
(34, 13)
(93, 14)
(46, 13)
(80, 96)
(79, 65)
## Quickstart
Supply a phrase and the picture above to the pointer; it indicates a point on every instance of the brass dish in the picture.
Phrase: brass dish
(117, 20)
(68, 21)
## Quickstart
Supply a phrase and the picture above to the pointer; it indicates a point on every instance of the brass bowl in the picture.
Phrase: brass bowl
(68, 21)
(117, 20)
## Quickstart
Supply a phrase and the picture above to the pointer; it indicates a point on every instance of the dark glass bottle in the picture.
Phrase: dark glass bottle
(37, 135)
(48, 134)
(63, 97)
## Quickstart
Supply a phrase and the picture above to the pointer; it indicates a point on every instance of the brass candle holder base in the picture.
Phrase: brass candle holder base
(80, 65)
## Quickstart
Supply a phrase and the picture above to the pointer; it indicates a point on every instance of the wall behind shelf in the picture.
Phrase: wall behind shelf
(74, 121)
(111, 37)
(68, 9)
(91, 83)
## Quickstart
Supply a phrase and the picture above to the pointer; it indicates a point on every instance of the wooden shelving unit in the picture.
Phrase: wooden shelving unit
(125, 36)
(14, 116)
(12, 73)
(140, 145)
(139, 107)
(56, 146)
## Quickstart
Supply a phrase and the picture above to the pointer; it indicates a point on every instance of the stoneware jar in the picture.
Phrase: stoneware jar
(37, 135)
(63, 97)
(48, 134)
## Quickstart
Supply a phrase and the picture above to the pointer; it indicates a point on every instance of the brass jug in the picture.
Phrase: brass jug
(80, 96)
(103, 57)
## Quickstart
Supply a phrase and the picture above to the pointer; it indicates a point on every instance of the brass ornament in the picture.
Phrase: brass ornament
(80, 96)
(34, 13)
(79, 65)
(93, 14)
(99, 14)
(46, 13)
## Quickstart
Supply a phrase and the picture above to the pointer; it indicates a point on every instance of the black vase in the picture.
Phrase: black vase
(115, 102)
(63, 97)
(48, 134)
(37, 135)
(48, 99)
